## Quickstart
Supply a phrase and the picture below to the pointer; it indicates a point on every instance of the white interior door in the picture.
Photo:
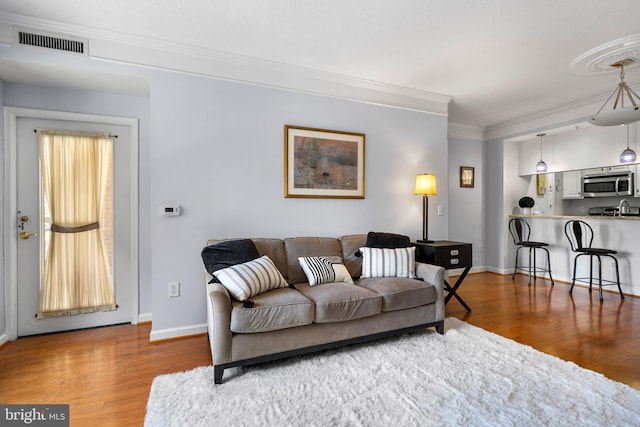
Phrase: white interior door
(30, 220)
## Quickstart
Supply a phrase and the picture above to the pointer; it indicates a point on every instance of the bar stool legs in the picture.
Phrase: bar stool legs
(533, 267)
(520, 232)
(600, 280)
(580, 235)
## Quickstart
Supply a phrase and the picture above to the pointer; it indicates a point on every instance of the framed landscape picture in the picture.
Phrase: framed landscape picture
(321, 163)
(467, 176)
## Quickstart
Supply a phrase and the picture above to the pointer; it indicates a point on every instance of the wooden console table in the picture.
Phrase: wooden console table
(449, 255)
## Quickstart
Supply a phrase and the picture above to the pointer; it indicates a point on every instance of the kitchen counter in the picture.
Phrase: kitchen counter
(617, 233)
(583, 217)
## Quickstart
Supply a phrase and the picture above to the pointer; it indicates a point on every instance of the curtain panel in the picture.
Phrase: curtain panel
(76, 279)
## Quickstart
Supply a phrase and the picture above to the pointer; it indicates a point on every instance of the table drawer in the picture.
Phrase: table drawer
(453, 256)
(449, 255)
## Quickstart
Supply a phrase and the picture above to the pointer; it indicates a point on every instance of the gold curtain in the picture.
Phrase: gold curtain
(76, 277)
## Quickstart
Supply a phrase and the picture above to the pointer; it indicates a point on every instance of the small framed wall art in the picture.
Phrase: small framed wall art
(321, 163)
(541, 184)
(467, 176)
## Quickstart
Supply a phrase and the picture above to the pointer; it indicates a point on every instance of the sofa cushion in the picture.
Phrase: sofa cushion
(351, 245)
(227, 253)
(274, 249)
(246, 280)
(272, 310)
(323, 269)
(381, 262)
(399, 293)
(296, 247)
(337, 302)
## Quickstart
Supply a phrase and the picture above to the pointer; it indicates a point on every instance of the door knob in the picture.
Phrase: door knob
(24, 235)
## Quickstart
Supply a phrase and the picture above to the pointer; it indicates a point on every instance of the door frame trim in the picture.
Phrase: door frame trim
(11, 116)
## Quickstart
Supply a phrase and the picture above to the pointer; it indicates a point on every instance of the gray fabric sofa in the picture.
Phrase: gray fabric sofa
(302, 318)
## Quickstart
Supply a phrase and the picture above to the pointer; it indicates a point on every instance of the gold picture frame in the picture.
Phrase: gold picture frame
(467, 177)
(322, 163)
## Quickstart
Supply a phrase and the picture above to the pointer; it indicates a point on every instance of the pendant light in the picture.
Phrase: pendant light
(628, 155)
(623, 115)
(541, 166)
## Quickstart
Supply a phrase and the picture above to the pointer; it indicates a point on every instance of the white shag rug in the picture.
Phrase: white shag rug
(467, 377)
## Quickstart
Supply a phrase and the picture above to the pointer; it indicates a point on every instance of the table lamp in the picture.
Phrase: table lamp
(426, 186)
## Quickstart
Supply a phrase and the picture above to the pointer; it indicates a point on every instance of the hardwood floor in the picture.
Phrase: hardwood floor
(105, 374)
(602, 337)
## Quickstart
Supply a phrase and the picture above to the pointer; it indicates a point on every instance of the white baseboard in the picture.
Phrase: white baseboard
(184, 331)
(478, 269)
(144, 317)
(458, 271)
(503, 271)
(3, 339)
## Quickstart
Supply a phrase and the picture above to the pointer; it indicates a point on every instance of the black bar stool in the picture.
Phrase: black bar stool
(521, 232)
(580, 235)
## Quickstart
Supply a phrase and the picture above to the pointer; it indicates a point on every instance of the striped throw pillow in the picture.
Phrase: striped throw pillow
(324, 269)
(251, 278)
(385, 262)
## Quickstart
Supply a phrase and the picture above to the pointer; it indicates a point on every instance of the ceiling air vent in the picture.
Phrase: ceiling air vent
(51, 41)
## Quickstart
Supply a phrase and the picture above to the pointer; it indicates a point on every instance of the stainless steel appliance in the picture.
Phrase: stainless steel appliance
(613, 211)
(607, 185)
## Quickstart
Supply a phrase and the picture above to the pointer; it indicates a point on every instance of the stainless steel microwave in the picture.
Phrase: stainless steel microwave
(607, 185)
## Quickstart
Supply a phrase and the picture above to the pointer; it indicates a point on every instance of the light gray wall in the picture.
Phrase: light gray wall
(3, 320)
(467, 205)
(218, 152)
(217, 149)
(495, 211)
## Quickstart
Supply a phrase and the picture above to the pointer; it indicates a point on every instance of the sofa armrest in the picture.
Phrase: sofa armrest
(435, 275)
(219, 322)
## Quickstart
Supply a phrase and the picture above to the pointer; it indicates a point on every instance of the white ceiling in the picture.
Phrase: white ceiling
(499, 60)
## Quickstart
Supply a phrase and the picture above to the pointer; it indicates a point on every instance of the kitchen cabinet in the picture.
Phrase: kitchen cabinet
(572, 185)
(608, 169)
(636, 184)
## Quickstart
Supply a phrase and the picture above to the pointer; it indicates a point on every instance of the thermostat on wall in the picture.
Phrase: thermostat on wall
(170, 210)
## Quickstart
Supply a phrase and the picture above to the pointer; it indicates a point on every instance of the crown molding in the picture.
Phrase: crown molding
(170, 55)
(466, 132)
(573, 112)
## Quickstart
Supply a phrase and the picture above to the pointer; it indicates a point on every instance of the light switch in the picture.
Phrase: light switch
(440, 210)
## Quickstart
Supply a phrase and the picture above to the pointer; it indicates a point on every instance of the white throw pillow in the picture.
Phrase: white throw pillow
(251, 278)
(324, 269)
(386, 262)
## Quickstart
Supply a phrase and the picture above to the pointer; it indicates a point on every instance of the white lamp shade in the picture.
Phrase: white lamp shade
(617, 117)
(426, 184)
